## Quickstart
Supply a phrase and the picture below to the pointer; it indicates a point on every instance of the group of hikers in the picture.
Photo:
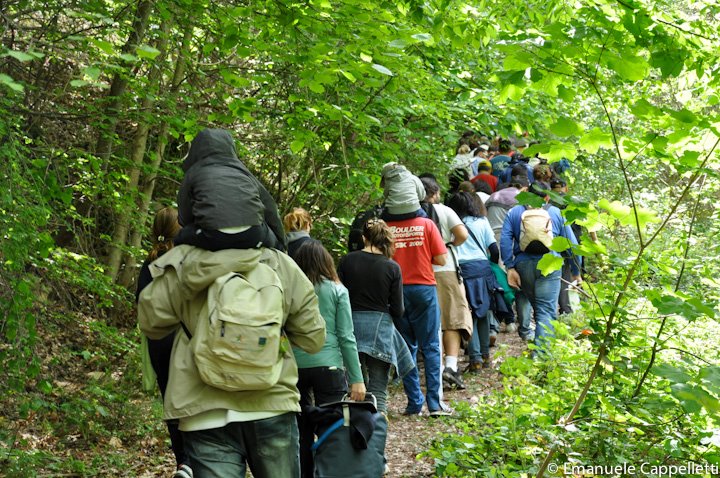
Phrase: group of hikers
(265, 351)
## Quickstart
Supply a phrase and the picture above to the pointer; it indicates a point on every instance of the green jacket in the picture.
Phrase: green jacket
(340, 348)
(178, 292)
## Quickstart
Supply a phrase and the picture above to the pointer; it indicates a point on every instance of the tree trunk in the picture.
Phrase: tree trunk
(137, 155)
(103, 148)
(129, 273)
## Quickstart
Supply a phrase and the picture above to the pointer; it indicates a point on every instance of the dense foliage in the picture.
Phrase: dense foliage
(98, 100)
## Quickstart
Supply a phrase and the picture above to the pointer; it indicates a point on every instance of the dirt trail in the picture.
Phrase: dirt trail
(409, 436)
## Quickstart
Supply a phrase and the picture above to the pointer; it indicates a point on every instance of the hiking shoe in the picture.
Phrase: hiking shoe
(440, 413)
(486, 362)
(453, 378)
(493, 339)
(511, 328)
(183, 471)
(410, 413)
(474, 367)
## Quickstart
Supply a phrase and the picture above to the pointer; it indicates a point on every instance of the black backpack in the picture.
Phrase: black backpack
(355, 238)
(431, 213)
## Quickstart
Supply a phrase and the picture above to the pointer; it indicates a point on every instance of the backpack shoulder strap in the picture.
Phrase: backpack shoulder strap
(187, 331)
(472, 234)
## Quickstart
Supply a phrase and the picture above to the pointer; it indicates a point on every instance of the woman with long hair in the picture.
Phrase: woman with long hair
(374, 282)
(322, 375)
(474, 256)
(165, 228)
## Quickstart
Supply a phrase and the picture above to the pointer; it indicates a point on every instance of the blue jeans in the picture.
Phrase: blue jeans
(376, 375)
(524, 315)
(419, 326)
(269, 447)
(542, 293)
(479, 344)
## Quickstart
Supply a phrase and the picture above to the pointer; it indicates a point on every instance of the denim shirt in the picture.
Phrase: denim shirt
(377, 336)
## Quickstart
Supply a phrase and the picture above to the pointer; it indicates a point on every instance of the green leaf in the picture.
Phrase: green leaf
(103, 45)
(92, 72)
(529, 199)
(690, 308)
(10, 83)
(646, 216)
(631, 68)
(684, 115)
(518, 60)
(512, 92)
(78, 83)
(560, 244)
(565, 127)
(316, 87)
(382, 69)
(297, 146)
(615, 208)
(694, 395)
(539, 148)
(701, 307)
(674, 374)
(560, 150)
(644, 109)
(399, 43)
(423, 37)
(20, 55)
(684, 394)
(590, 249)
(366, 58)
(348, 75)
(148, 52)
(566, 94)
(550, 263)
(669, 62)
(45, 387)
(595, 139)
(711, 377)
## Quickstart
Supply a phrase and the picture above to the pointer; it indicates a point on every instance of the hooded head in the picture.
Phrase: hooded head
(210, 143)
(393, 172)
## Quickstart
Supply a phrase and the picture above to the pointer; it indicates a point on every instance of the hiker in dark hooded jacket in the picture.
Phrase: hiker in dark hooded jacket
(221, 205)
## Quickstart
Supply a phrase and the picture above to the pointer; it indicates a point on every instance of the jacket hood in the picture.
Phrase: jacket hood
(212, 143)
(197, 268)
(394, 171)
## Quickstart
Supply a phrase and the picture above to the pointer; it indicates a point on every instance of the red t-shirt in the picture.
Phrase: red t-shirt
(417, 241)
(491, 180)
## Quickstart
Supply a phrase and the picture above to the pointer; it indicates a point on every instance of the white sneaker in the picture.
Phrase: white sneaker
(511, 328)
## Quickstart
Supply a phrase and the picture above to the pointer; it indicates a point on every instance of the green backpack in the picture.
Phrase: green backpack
(240, 345)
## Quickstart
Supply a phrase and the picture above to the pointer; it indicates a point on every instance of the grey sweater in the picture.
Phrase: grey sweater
(403, 190)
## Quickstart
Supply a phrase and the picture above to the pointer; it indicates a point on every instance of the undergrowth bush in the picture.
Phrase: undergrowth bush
(508, 433)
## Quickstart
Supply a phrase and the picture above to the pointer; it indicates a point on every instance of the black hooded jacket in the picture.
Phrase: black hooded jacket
(218, 191)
